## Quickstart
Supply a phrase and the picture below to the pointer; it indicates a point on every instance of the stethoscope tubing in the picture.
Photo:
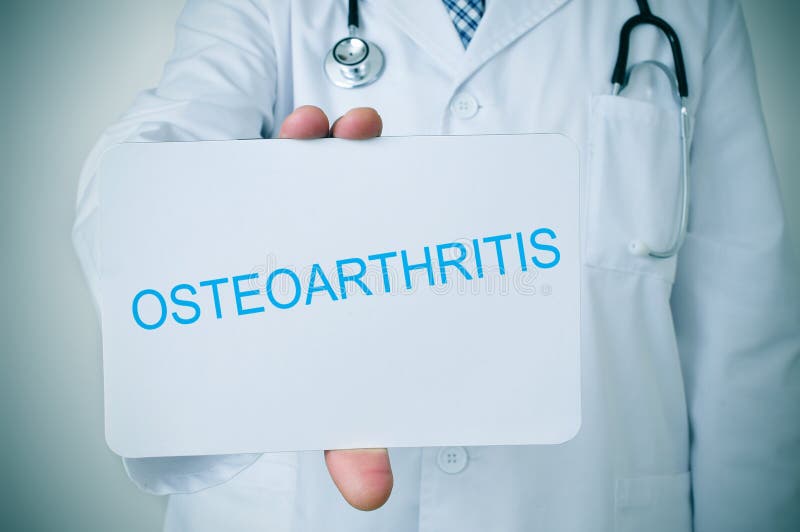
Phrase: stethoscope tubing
(620, 68)
(619, 80)
(370, 67)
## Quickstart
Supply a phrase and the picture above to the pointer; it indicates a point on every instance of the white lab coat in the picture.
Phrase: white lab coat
(690, 366)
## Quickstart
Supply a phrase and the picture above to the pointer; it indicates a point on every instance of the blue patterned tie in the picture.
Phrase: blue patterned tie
(465, 15)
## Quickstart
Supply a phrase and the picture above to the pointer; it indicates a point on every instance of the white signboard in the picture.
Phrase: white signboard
(275, 295)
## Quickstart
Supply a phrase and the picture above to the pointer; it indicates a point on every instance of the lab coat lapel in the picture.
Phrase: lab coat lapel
(427, 23)
(503, 23)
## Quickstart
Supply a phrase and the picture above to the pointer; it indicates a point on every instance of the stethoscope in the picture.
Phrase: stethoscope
(354, 62)
(680, 88)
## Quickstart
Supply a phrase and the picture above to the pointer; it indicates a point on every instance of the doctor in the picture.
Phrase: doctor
(691, 363)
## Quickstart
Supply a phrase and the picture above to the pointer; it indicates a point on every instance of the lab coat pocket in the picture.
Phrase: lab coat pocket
(653, 503)
(633, 184)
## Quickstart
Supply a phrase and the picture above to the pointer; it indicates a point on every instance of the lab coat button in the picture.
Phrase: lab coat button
(452, 460)
(464, 106)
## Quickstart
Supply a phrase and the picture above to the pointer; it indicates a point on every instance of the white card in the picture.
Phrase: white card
(220, 335)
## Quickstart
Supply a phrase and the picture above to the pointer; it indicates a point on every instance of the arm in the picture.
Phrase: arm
(735, 305)
(219, 83)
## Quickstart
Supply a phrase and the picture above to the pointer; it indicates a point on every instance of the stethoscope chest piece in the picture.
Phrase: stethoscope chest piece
(354, 62)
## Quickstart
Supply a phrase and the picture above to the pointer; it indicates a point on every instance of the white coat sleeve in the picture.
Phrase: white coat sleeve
(736, 305)
(219, 83)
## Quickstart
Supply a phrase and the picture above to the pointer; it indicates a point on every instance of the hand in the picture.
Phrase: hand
(363, 476)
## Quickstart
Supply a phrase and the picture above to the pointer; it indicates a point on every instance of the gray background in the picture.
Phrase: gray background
(69, 68)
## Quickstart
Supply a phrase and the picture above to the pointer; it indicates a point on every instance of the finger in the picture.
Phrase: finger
(358, 123)
(363, 476)
(306, 122)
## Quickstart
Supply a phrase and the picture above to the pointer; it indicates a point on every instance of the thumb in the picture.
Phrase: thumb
(363, 476)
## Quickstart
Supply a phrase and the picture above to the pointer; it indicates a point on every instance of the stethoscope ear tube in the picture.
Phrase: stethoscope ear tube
(621, 66)
(619, 80)
(639, 247)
